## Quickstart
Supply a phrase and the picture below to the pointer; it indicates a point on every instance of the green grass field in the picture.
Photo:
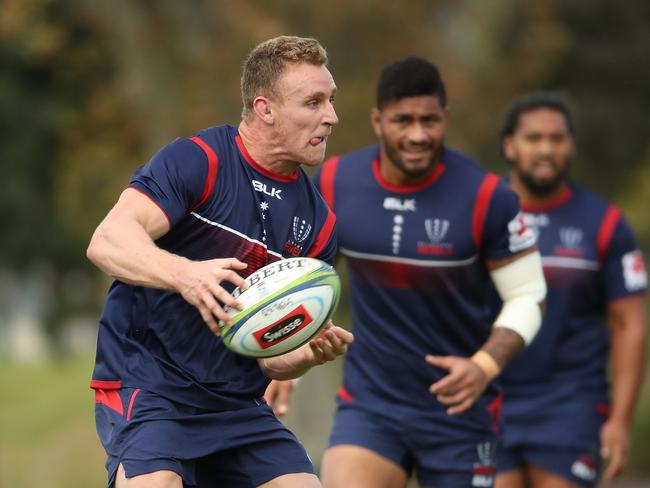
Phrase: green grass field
(47, 435)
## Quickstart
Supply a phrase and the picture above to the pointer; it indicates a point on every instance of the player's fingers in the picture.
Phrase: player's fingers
(444, 362)
(284, 398)
(449, 384)
(232, 277)
(208, 318)
(316, 349)
(337, 345)
(461, 407)
(233, 263)
(454, 398)
(225, 297)
(343, 335)
(616, 464)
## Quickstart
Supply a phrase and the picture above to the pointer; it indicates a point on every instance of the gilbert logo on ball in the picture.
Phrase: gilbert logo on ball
(288, 303)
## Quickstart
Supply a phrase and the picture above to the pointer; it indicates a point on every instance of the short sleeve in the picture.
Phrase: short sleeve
(505, 232)
(174, 178)
(325, 243)
(624, 271)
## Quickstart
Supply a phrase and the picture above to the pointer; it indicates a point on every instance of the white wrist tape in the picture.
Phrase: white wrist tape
(522, 287)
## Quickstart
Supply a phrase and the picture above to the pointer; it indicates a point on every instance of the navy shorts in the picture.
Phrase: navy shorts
(441, 453)
(580, 466)
(566, 444)
(240, 449)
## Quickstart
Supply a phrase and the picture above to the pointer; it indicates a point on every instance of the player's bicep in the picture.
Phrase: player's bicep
(136, 208)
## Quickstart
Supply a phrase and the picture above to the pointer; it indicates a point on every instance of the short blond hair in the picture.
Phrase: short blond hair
(268, 60)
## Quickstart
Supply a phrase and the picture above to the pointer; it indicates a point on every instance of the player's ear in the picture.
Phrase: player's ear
(262, 108)
(375, 121)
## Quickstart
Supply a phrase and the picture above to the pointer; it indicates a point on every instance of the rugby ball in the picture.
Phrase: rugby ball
(288, 302)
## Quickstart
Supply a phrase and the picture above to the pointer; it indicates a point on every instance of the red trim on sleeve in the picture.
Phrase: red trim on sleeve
(481, 206)
(106, 385)
(213, 168)
(323, 236)
(154, 202)
(327, 178)
(110, 398)
(344, 394)
(606, 230)
(131, 401)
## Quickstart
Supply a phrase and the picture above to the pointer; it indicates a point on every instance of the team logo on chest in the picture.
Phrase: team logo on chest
(300, 229)
(436, 230)
(570, 242)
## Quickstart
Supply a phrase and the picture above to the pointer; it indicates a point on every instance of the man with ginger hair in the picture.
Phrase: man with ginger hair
(174, 407)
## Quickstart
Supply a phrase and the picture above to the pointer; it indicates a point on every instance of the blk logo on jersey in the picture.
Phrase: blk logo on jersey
(400, 204)
(521, 236)
(436, 230)
(634, 273)
(570, 239)
(270, 191)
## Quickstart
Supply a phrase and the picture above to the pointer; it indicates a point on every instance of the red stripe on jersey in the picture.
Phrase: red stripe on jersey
(130, 409)
(260, 169)
(481, 206)
(213, 168)
(344, 394)
(323, 236)
(110, 398)
(106, 385)
(327, 178)
(606, 230)
(430, 179)
(169, 220)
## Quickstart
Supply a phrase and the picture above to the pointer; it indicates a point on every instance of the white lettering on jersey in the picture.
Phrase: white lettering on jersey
(634, 272)
(261, 187)
(521, 236)
(394, 203)
(584, 470)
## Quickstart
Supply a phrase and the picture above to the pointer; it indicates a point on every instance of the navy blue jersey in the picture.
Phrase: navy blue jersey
(220, 203)
(416, 257)
(590, 258)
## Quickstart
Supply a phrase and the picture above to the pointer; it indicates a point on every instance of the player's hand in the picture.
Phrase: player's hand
(200, 284)
(462, 386)
(331, 343)
(614, 447)
(278, 396)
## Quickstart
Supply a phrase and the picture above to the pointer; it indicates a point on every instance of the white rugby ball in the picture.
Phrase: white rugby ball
(288, 303)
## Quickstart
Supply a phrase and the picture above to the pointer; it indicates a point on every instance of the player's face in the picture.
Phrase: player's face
(540, 150)
(411, 132)
(304, 112)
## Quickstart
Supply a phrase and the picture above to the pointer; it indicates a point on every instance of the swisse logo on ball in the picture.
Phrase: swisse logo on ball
(284, 328)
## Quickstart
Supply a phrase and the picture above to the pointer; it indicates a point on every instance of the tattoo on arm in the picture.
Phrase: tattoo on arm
(503, 344)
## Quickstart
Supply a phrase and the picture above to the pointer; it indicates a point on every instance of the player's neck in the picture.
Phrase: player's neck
(528, 198)
(262, 146)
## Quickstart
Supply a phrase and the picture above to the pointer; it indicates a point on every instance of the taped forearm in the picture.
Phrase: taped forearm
(522, 288)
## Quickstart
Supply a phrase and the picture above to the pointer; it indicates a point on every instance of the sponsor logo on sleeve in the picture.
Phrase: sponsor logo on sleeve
(634, 272)
(521, 236)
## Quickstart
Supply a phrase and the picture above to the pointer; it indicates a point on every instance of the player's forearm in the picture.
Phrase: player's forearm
(502, 345)
(288, 366)
(628, 364)
(124, 250)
